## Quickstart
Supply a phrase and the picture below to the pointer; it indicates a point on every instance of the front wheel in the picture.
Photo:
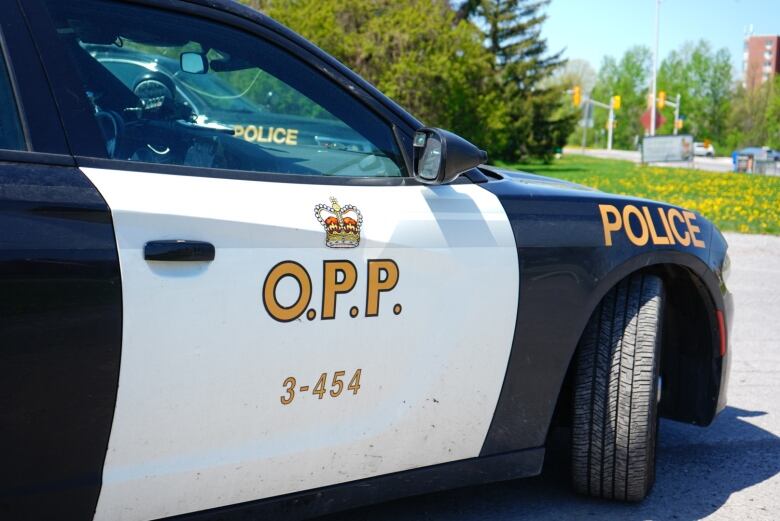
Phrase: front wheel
(616, 393)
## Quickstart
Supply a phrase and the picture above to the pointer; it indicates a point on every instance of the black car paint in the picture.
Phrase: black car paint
(61, 317)
(66, 248)
(565, 270)
(41, 126)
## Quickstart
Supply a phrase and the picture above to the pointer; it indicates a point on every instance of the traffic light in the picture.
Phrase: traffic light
(661, 99)
(616, 102)
(679, 124)
(576, 96)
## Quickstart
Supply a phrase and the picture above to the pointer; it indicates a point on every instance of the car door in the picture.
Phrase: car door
(295, 315)
(60, 301)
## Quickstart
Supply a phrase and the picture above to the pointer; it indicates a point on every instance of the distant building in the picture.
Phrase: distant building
(761, 60)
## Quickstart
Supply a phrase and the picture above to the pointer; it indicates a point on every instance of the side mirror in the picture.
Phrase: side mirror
(194, 63)
(441, 156)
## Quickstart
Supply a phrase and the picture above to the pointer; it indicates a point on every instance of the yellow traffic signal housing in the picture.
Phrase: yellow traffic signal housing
(576, 96)
(661, 99)
(616, 102)
(679, 124)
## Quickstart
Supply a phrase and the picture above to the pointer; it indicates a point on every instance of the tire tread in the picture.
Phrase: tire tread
(615, 411)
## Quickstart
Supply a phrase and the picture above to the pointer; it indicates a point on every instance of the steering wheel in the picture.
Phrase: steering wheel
(112, 126)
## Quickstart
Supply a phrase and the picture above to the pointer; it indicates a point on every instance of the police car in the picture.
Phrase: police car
(196, 323)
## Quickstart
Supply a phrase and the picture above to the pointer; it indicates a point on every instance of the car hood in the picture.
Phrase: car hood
(528, 179)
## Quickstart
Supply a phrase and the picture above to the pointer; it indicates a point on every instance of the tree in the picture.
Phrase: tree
(703, 78)
(629, 78)
(754, 117)
(535, 125)
(434, 65)
(773, 115)
(575, 72)
(488, 86)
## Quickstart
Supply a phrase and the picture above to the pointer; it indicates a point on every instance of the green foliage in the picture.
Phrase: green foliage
(628, 78)
(434, 66)
(747, 120)
(430, 57)
(537, 125)
(755, 117)
(773, 115)
(703, 78)
(701, 75)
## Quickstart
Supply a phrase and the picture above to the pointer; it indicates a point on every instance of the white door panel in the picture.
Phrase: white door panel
(199, 421)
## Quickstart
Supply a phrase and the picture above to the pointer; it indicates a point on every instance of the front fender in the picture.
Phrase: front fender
(566, 268)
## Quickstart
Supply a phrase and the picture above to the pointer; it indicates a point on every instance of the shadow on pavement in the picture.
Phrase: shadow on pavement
(698, 469)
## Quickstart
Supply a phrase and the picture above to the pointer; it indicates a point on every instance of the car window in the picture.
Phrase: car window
(11, 137)
(172, 89)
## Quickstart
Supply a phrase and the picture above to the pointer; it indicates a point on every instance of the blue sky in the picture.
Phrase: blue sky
(592, 29)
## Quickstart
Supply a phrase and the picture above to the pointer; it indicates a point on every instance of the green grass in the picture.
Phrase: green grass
(735, 202)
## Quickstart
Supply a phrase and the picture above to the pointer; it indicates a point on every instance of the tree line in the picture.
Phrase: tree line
(479, 68)
(715, 106)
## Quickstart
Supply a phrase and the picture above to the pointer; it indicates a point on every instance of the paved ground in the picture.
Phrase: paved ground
(713, 164)
(730, 470)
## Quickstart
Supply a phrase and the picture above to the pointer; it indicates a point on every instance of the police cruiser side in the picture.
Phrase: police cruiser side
(239, 281)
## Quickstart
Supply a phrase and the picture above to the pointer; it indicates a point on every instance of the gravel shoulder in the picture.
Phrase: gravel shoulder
(730, 470)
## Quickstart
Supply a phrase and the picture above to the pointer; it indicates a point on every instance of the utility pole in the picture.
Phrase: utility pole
(655, 66)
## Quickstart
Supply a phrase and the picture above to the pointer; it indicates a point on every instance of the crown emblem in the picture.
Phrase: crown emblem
(342, 224)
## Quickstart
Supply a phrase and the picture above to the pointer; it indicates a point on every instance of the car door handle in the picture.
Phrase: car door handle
(179, 251)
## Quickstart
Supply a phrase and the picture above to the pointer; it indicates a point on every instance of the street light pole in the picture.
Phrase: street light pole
(655, 67)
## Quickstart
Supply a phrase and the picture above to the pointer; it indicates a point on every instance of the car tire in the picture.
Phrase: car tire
(615, 419)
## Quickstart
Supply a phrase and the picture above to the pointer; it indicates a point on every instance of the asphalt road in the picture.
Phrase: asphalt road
(730, 470)
(712, 164)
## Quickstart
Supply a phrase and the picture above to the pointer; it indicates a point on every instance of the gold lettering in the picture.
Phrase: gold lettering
(262, 139)
(638, 240)
(251, 129)
(651, 225)
(377, 285)
(689, 218)
(665, 222)
(674, 214)
(238, 131)
(609, 226)
(332, 286)
(272, 305)
(292, 137)
(279, 135)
